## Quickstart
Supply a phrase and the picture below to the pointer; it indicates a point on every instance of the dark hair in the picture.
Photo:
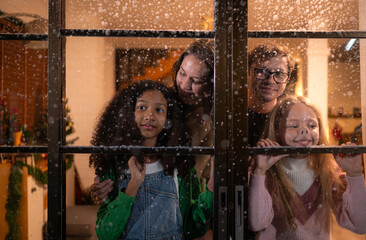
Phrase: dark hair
(117, 127)
(268, 51)
(203, 50)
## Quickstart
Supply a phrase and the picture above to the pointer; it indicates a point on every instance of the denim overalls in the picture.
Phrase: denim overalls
(155, 213)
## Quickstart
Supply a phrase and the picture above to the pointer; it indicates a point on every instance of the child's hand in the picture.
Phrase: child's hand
(265, 162)
(137, 170)
(350, 163)
(137, 176)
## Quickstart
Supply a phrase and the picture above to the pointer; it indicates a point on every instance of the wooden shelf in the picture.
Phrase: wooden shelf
(344, 116)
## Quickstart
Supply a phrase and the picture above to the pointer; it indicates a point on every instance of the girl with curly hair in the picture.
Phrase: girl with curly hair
(153, 196)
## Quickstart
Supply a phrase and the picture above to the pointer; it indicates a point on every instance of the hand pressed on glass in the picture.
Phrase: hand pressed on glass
(265, 162)
(350, 163)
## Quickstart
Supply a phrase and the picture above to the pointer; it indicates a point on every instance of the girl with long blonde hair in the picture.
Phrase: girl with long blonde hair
(292, 196)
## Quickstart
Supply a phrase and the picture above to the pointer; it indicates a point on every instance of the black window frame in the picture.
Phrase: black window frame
(231, 126)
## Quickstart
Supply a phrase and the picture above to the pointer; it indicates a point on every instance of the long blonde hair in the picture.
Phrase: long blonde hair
(324, 166)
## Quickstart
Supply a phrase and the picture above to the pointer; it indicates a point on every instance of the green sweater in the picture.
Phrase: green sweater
(195, 207)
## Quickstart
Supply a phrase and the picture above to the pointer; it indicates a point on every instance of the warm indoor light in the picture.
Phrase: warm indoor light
(350, 44)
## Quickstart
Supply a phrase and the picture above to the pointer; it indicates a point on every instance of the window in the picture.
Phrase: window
(86, 36)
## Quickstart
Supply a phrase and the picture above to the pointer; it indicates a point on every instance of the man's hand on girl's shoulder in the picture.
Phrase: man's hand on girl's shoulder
(99, 190)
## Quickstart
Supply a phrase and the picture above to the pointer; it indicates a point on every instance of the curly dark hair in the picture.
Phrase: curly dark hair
(203, 50)
(117, 127)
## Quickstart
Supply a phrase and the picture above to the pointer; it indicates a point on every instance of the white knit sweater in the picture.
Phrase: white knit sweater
(350, 211)
(299, 173)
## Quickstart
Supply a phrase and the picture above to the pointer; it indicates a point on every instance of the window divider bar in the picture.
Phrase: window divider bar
(182, 34)
(184, 150)
(173, 150)
(222, 14)
(311, 150)
(239, 121)
(136, 33)
(23, 36)
(55, 132)
(307, 34)
(23, 149)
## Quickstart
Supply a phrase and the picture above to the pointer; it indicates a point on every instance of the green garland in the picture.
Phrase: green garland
(14, 195)
(12, 204)
(14, 192)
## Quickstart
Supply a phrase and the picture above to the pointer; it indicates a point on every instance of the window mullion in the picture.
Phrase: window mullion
(222, 78)
(56, 164)
(239, 120)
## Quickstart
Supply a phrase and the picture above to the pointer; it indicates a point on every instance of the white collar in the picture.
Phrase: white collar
(295, 164)
(152, 167)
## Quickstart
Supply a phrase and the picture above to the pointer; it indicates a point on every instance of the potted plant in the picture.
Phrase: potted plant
(15, 134)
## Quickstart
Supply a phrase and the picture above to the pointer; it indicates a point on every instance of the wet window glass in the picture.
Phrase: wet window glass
(327, 74)
(96, 68)
(305, 15)
(24, 17)
(139, 15)
(101, 71)
(23, 120)
(23, 93)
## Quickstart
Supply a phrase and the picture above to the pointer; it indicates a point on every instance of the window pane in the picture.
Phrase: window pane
(81, 213)
(23, 89)
(344, 92)
(23, 195)
(23, 93)
(23, 120)
(152, 15)
(96, 67)
(304, 15)
(25, 16)
(329, 75)
(326, 73)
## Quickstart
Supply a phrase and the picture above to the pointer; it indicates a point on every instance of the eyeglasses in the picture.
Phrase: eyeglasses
(264, 73)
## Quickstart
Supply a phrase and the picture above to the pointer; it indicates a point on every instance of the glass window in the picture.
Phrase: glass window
(24, 17)
(329, 75)
(23, 120)
(303, 15)
(330, 72)
(97, 67)
(23, 93)
(139, 15)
